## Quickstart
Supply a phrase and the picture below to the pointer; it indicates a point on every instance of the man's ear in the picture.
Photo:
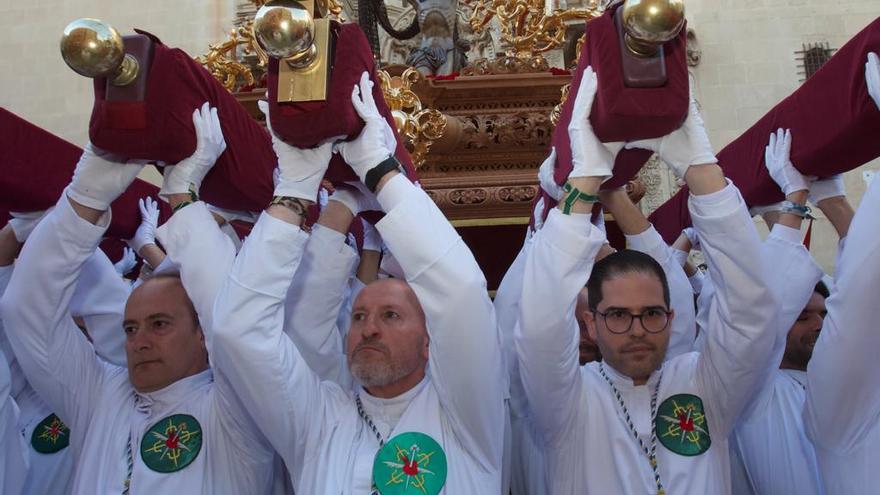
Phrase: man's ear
(590, 319)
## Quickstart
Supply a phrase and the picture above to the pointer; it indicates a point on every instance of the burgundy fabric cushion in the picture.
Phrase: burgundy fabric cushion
(307, 124)
(620, 113)
(160, 128)
(36, 166)
(834, 125)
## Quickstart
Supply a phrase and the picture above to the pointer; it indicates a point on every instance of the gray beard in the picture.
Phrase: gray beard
(377, 374)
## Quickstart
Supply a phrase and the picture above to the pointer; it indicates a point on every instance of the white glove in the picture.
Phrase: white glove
(372, 238)
(872, 77)
(210, 144)
(829, 187)
(688, 145)
(100, 177)
(356, 198)
(300, 171)
(589, 157)
(693, 238)
(127, 263)
(545, 176)
(23, 223)
(376, 142)
(777, 157)
(146, 231)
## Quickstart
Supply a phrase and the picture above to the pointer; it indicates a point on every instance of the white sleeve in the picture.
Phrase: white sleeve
(843, 392)
(314, 300)
(99, 299)
(13, 450)
(696, 281)
(681, 295)
(343, 320)
(742, 316)
(792, 275)
(202, 253)
(506, 304)
(464, 353)
(57, 359)
(284, 396)
(557, 268)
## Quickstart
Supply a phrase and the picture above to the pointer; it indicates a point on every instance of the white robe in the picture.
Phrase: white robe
(96, 400)
(769, 449)
(528, 471)
(842, 411)
(13, 451)
(314, 301)
(314, 424)
(590, 448)
(99, 299)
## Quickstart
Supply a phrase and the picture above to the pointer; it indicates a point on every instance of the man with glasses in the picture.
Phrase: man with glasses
(654, 426)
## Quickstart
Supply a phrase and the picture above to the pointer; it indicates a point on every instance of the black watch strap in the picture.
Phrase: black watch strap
(376, 173)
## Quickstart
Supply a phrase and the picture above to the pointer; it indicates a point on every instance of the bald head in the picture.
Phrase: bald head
(387, 344)
(163, 340)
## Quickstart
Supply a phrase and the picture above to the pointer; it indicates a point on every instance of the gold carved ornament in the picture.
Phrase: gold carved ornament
(526, 25)
(222, 59)
(419, 126)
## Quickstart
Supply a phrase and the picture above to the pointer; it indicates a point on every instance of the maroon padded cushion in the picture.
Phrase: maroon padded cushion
(620, 113)
(36, 166)
(833, 122)
(309, 123)
(160, 128)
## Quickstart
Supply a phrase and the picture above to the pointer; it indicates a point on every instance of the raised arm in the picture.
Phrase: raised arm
(284, 396)
(318, 292)
(99, 299)
(464, 354)
(557, 267)
(843, 392)
(742, 314)
(55, 356)
(641, 236)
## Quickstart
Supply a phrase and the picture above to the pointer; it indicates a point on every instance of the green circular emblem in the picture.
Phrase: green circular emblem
(50, 436)
(172, 444)
(410, 463)
(681, 425)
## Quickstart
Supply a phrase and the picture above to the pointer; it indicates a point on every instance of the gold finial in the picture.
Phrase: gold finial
(93, 48)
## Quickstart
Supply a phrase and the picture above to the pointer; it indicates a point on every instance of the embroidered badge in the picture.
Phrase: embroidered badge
(410, 463)
(172, 444)
(50, 436)
(681, 425)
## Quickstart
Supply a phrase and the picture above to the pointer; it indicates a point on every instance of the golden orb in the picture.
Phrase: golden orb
(286, 30)
(650, 23)
(93, 48)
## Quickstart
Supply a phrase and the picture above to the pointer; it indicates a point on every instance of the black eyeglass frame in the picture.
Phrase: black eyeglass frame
(632, 318)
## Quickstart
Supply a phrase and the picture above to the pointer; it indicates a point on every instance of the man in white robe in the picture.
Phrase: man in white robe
(429, 412)
(634, 423)
(843, 381)
(164, 424)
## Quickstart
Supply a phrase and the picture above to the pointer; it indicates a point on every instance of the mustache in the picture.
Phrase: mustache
(371, 344)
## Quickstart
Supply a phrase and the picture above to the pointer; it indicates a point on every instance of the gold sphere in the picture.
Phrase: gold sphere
(92, 48)
(650, 23)
(284, 29)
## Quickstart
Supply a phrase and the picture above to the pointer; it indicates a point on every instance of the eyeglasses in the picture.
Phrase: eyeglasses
(619, 321)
